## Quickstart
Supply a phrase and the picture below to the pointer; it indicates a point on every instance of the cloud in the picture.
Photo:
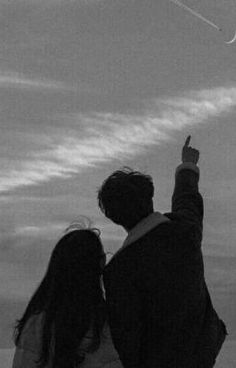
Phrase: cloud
(108, 136)
(19, 80)
(34, 231)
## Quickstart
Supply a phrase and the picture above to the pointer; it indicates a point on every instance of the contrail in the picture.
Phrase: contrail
(196, 14)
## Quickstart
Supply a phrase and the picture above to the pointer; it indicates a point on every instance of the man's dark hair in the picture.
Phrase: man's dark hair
(125, 197)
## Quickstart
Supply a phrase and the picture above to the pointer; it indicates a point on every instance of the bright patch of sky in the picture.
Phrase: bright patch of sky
(106, 136)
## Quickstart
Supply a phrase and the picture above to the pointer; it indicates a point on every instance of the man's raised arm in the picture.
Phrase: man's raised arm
(187, 202)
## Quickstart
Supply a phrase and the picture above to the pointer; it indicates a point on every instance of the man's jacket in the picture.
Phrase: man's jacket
(160, 310)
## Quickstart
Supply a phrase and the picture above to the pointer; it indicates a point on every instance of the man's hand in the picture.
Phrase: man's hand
(189, 154)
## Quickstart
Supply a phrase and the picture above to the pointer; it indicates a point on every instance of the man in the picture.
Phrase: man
(160, 311)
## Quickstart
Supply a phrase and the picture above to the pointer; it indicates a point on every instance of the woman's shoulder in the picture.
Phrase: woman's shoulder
(28, 347)
(31, 333)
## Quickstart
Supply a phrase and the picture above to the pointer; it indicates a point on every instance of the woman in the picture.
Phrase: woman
(65, 322)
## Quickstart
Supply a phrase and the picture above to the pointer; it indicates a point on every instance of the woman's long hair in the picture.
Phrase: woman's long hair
(71, 297)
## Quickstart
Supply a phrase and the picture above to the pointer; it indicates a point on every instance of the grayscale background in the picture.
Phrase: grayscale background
(87, 86)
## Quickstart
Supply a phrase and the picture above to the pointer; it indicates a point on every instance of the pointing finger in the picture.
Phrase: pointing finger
(187, 141)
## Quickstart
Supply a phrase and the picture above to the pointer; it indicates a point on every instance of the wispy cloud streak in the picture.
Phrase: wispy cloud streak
(19, 80)
(110, 136)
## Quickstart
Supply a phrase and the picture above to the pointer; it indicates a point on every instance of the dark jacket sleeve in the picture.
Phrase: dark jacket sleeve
(187, 202)
(124, 309)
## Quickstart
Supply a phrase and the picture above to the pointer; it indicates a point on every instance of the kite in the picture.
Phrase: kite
(233, 39)
(198, 15)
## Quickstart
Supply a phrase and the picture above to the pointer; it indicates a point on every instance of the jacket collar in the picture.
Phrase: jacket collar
(142, 228)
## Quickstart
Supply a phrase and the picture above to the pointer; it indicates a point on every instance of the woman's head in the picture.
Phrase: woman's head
(125, 197)
(70, 295)
(76, 260)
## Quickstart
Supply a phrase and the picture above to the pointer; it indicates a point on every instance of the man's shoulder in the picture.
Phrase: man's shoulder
(168, 232)
(135, 250)
(179, 223)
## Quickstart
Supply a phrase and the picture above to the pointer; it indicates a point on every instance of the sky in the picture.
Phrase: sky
(89, 86)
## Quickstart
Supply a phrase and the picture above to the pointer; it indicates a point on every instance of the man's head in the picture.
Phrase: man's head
(125, 197)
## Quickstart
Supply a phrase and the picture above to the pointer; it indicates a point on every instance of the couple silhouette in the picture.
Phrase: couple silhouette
(156, 311)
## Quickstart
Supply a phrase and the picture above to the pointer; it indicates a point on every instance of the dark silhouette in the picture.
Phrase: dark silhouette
(160, 310)
(70, 298)
(126, 197)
